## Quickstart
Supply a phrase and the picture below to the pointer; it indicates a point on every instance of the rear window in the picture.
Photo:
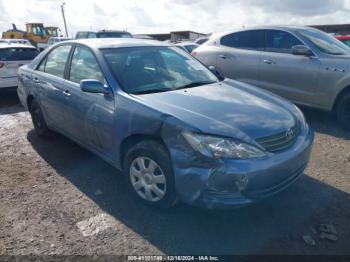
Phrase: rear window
(16, 54)
(92, 35)
(114, 35)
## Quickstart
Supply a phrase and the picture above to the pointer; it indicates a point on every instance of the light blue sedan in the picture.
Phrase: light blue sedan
(176, 129)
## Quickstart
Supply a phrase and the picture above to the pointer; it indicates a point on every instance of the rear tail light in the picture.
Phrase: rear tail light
(194, 53)
(2, 64)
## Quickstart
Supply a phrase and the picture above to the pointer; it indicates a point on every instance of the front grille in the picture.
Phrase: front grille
(280, 141)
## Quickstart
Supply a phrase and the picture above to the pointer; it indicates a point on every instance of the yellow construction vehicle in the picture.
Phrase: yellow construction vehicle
(35, 33)
(52, 30)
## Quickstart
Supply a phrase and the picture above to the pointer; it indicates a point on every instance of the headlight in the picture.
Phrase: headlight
(301, 117)
(217, 147)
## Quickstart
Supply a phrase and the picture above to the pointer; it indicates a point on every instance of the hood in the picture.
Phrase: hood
(344, 59)
(228, 108)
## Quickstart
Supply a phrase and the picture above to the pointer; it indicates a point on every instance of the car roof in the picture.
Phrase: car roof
(59, 37)
(104, 31)
(112, 31)
(186, 44)
(16, 45)
(291, 28)
(102, 43)
(285, 27)
(14, 40)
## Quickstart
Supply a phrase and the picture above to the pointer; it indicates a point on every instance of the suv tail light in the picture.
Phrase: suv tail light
(2, 64)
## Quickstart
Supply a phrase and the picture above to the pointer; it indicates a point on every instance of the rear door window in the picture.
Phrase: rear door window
(18, 54)
(55, 62)
(280, 41)
(252, 40)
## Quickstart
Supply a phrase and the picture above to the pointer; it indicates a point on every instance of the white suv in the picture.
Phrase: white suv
(302, 64)
(12, 56)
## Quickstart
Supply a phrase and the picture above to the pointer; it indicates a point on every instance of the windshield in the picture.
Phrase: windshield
(39, 30)
(156, 69)
(190, 48)
(325, 43)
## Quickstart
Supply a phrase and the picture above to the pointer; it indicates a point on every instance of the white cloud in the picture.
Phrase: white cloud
(300, 8)
(158, 16)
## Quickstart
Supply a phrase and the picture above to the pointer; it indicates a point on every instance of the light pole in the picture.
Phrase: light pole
(64, 18)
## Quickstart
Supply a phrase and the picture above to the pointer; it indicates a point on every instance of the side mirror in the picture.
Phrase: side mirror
(93, 86)
(301, 50)
(216, 72)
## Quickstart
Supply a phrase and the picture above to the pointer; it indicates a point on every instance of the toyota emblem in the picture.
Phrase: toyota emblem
(290, 134)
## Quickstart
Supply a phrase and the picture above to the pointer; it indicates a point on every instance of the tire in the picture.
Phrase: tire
(138, 164)
(343, 111)
(38, 120)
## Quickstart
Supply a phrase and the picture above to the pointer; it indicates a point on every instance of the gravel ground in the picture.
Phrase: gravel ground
(57, 198)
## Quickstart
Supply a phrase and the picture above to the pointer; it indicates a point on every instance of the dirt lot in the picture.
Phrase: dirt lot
(50, 190)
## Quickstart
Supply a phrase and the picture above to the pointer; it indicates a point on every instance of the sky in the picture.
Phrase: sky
(163, 16)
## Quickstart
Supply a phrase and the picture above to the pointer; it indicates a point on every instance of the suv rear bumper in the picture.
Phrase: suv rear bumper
(8, 82)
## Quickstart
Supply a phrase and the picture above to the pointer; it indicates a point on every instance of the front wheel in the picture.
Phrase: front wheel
(343, 111)
(149, 175)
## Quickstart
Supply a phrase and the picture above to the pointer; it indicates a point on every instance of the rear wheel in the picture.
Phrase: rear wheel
(38, 120)
(149, 175)
(343, 111)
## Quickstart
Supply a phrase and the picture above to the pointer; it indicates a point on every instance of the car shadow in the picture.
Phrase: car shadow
(186, 229)
(324, 123)
(9, 102)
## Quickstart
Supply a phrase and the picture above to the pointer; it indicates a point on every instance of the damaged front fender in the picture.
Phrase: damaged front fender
(195, 174)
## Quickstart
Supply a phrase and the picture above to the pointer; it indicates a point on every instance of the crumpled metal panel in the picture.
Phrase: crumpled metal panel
(224, 183)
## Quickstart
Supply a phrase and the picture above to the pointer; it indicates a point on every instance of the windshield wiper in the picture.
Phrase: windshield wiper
(337, 53)
(159, 90)
(150, 91)
(195, 84)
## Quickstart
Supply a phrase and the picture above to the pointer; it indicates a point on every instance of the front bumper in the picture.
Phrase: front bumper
(232, 183)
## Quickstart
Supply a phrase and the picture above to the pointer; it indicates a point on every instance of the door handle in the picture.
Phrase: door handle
(66, 93)
(224, 56)
(269, 62)
(36, 80)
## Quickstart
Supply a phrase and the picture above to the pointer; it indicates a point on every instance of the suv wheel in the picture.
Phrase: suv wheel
(38, 120)
(343, 111)
(149, 174)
